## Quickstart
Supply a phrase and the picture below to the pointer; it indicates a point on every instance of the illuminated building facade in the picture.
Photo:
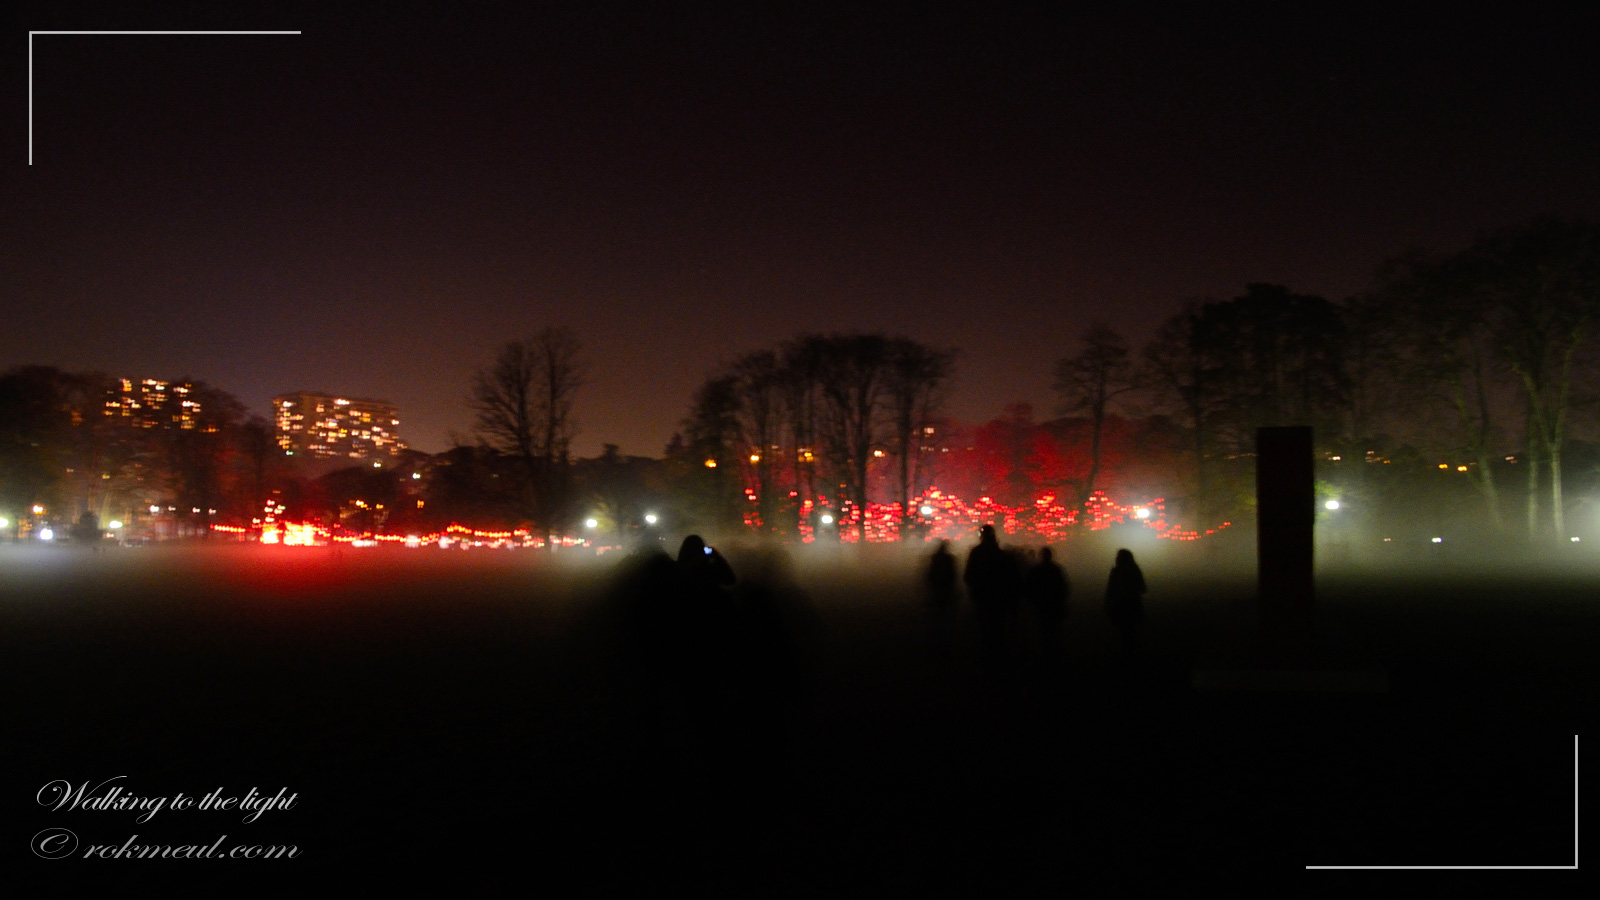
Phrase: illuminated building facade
(325, 426)
(153, 404)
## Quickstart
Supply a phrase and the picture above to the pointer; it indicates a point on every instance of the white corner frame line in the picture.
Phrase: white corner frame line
(30, 62)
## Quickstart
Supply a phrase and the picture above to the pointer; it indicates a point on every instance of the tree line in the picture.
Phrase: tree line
(1482, 360)
(1483, 355)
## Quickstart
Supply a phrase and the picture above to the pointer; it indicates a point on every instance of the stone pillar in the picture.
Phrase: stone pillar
(1285, 518)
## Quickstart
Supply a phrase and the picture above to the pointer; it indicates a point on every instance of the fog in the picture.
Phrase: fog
(820, 730)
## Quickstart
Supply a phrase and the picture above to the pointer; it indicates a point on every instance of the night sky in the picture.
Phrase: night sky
(372, 207)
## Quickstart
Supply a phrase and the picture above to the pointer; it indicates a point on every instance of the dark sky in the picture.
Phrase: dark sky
(374, 206)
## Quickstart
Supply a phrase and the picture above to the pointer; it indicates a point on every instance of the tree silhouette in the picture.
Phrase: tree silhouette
(524, 403)
(1090, 381)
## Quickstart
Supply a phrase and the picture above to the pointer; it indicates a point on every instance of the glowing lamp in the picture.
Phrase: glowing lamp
(1332, 504)
(755, 457)
(590, 523)
(1574, 540)
(827, 519)
(1142, 513)
(1438, 540)
(711, 464)
(46, 534)
(4, 522)
(926, 510)
(115, 523)
(37, 509)
(651, 518)
(154, 510)
(415, 475)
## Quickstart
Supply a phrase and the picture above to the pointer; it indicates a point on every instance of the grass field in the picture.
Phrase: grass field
(506, 719)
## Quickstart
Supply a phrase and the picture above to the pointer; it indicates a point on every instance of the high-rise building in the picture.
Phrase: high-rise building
(325, 426)
(153, 404)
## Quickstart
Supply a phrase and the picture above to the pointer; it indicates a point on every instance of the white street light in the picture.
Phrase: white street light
(590, 523)
(1332, 504)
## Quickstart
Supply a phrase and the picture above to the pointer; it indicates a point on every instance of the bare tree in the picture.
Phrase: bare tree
(799, 363)
(1541, 287)
(712, 429)
(1090, 381)
(851, 378)
(524, 403)
(1182, 371)
(1430, 323)
(916, 376)
(758, 383)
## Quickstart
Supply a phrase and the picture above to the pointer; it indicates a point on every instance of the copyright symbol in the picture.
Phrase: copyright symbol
(54, 843)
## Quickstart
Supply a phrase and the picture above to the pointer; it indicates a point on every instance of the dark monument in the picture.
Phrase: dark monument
(1289, 657)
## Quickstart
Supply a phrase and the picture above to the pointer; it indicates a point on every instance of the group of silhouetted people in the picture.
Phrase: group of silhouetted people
(999, 582)
(719, 661)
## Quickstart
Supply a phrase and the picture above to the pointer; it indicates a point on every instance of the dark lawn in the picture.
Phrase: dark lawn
(497, 718)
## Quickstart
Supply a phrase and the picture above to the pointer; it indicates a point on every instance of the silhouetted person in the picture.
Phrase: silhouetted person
(941, 577)
(706, 604)
(702, 567)
(940, 586)
(992, 579)
(1046, 588)
(1124, 599)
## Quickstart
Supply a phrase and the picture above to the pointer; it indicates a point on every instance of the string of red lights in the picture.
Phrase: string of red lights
(937, 516)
